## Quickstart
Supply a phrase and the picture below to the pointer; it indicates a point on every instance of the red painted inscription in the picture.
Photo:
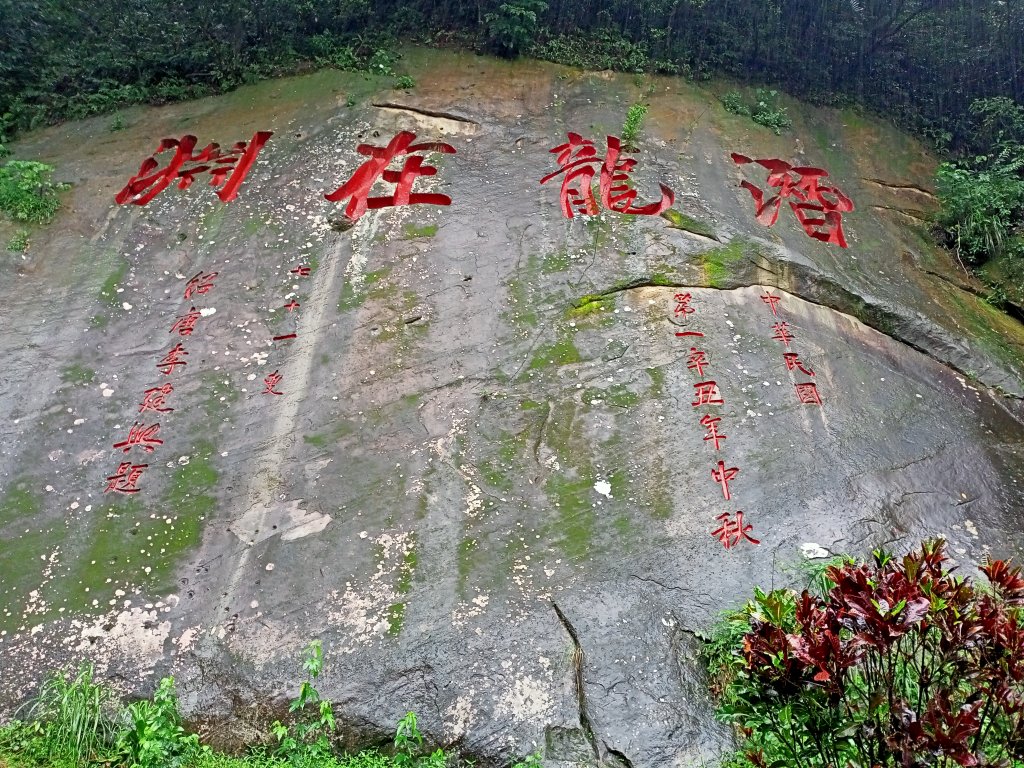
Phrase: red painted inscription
(227, 169)
(358, 186)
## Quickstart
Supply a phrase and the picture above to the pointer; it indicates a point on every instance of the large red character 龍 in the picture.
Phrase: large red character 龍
(578, 160)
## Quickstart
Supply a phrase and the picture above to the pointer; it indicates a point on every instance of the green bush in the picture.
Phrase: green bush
(72, 717)
(152, 735)
(76, 722)
(404, 83)
(982, 210)
(599, 50)
(900, 663)
(982, 198)
(514, 26)
(763, 110)
(768, 112)
(733, 102)
(27, 193)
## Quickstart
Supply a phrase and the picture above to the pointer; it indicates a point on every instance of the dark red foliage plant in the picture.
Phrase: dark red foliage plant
(898, 662)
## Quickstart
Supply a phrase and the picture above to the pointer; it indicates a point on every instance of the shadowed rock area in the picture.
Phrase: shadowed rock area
(484, 486)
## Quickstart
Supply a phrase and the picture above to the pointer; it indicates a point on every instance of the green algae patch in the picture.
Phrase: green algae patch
(577, 519)
(427, 230)
(220, 393)
(617, 395)
(590, 304)
(498, 471)
(19, 503)
(555, 262)
(108, 291)
(657, 377)
(353, 298)
(407, 569)
(718, 262)
(342, 429)
(468, 553)
(396, 619)
(994, 331)
(77, 374)
(663, 279)
(130, 544)
(679, 220)
(562, 352)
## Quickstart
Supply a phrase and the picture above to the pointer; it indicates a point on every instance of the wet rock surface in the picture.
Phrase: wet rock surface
(485, 487)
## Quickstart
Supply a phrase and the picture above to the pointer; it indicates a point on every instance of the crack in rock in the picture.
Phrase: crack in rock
(581, 696)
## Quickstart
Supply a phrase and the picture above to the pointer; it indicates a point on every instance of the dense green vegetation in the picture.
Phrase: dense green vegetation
(982, 197)
(77, 722)
(904, 58)
(896, 662)
(27, 193)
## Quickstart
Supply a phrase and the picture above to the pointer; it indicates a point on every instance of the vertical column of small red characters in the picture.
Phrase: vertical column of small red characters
(273, 380)
(806, 391)
(227, 170)
(707, 395)
(143, 435)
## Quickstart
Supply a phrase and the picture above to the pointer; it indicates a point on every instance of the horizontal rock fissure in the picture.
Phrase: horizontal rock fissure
(906, 187)
(910, 214)
(425, 112)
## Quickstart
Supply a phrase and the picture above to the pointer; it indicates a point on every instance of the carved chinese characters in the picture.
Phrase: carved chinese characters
(143, 437)
(806, 391)
(273, 380)
(707, 394)
(227, 169)
(578, 161)
(818, 207)
(357, 189)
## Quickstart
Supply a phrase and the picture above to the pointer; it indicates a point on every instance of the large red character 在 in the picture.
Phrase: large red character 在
(358, 187)
(227, 169)
(578, 160)
(819, 208)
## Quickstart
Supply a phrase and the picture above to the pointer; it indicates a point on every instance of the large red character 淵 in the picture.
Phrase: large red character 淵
(578, 160)
(227, 169)
(818, 208)
(359, 185)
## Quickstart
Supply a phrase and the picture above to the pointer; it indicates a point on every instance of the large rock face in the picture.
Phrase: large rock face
(485, 486)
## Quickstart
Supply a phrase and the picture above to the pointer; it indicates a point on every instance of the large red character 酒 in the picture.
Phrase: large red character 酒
(819, 208)
(359, 185)
(228, 169)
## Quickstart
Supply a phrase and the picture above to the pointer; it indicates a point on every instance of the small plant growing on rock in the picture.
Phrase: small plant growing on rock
(19, 241)
(154, 736)
(899, 663)
(404, 83)
(308, 738)
(631, 128)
